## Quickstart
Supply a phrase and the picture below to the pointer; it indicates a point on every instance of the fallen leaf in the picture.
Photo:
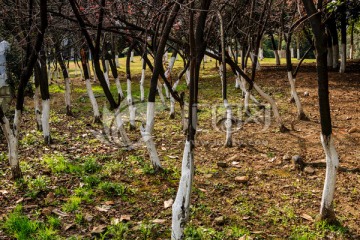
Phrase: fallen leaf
(99, 229)
(88, 217)
(3, 192)
(68, 226)
(168, 203)
(125, 218)
(59, 213)
(103, 208)
(160, 221)
(173, 157)
(109, 203)
(19, 200)
(242, 179)
(307, 217)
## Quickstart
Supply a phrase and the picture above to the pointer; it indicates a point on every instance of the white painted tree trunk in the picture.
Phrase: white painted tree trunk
(292, 52)
(132, 112)
(298, 54)
(106, 76)
(277, 57)
(261, 54)
(68, 95)
(147, 136)
(45, 117)
(253, 56)
(118, 87)
(237, 82)
(132, 56)
(37, 108)
(167, 92)
(12, 137)
(205, 59)
(351, 52)
(332, 163)
(293, 92)
(181, 206)
(120, 128)
(129, 95)
(343, 58)
(165, 57)
(329, 57)
(187, 77)
(172, 63)
(335, 55)
(117, 62)
(273, 105)
(172, 107)
(228, 124)
(93, 100)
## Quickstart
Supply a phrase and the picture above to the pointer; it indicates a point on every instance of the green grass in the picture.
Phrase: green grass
(72, 204)
(22, 227)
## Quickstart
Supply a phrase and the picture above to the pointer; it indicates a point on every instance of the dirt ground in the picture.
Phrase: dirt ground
(272, 200)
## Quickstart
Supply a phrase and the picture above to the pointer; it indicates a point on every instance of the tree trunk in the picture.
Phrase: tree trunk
(330, 52)
(326, 209)
(276, 53)
(181, 206)
(228, 139)
(12, 137)
(142, 80)
(66, 78)
(37, 97)
(352, 41)
(45, 96)
(343, 36)
(85, 66)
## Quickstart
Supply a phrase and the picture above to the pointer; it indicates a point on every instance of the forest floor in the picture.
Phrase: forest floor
(85, 185)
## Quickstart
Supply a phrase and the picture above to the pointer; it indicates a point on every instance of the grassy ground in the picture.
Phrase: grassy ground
(86, 186)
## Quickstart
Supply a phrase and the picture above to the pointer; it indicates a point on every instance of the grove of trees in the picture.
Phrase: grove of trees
(46, 36)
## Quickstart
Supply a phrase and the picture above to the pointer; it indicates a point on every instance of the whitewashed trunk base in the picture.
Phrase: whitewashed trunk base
(146, 134)
(332, 163)
(120, 127)
(273, 106)
(93, 101)
(277, 57)
(228, 124)
(301, 114)
(45, 120)
(118, 87)
(129, 95)
(172, 107)
(132, 113)
(181, 206)
(12, 137)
